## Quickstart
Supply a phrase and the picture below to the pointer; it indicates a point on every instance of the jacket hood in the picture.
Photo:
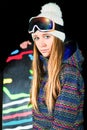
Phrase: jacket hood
(73, 55)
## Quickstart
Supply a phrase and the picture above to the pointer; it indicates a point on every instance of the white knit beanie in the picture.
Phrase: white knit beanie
(54, 13)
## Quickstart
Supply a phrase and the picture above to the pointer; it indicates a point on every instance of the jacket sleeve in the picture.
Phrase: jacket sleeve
(69, 105)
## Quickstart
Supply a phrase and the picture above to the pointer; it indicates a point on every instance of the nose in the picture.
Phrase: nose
(42, 43)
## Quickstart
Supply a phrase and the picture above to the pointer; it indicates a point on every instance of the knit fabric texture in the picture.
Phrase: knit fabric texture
(68, 110)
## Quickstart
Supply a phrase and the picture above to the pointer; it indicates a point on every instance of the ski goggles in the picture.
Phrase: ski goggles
(43, 24)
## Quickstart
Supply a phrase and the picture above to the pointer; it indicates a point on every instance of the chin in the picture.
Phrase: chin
(45, 55)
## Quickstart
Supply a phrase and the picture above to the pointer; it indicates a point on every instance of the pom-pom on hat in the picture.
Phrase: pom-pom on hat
(54, 13)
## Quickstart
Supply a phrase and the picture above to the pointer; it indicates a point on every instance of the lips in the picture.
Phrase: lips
(45, 50)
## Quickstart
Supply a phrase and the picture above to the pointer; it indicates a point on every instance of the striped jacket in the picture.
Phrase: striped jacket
(68, 111)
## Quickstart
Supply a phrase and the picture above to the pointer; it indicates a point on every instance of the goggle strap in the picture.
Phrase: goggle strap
(59, 27)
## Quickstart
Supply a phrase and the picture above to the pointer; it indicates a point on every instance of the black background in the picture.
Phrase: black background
(14, 16)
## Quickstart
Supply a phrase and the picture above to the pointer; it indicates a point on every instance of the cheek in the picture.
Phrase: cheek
(37, 45)
(50, 45)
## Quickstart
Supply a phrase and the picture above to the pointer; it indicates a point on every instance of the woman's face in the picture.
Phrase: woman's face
(43, 41)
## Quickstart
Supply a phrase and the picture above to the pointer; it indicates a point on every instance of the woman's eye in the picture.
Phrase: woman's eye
(35, 38)
(47, 36)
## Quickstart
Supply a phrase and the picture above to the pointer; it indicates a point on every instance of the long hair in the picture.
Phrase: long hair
(53, 86)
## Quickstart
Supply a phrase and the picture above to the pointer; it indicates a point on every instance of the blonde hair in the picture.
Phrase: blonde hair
(53, 86)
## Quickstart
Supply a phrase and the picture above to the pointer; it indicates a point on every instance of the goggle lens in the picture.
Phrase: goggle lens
(42, 23)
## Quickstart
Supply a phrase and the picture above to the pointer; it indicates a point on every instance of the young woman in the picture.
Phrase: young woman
(57, 91)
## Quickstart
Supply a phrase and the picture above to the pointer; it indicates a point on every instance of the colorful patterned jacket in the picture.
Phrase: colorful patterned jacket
(68, 111)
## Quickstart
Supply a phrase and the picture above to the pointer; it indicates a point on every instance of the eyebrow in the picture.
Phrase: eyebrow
(45, 33)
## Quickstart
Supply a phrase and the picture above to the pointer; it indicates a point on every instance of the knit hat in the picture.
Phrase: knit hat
(53, 12)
